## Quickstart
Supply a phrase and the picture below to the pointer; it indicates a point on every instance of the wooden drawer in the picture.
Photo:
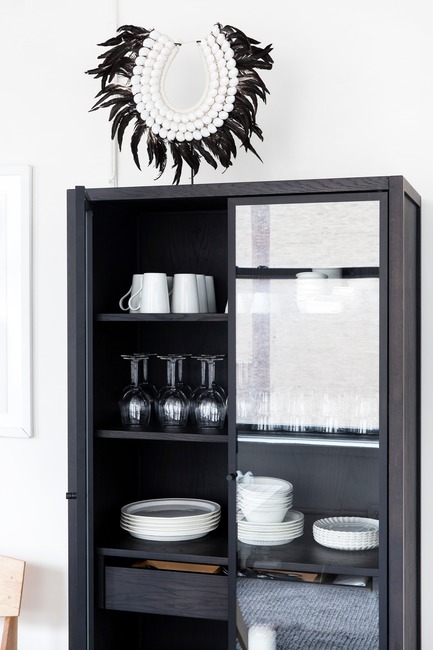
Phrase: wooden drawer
(166, 592)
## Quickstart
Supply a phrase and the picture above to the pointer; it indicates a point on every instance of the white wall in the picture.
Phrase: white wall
(350, 95)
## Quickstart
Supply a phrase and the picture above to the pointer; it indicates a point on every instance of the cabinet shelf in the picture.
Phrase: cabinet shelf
(370, 441)
(191, 435)
(166, 318)
(305, 554)
(211, 549)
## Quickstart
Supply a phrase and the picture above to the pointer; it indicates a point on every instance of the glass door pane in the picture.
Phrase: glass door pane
(307, 412)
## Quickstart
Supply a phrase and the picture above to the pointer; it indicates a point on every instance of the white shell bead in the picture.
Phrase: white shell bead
(190, 126)
(211, 39)
(215, 30)
(230, 99)
(180, 136)
(217, 107)
(154, 112)
(159, 119)
(199, 113)
(143, 51)
(198, 124)
(228, 107)
(219, 55)
(214, 83)
(215, 48)
(158, 46)
(234, 82)
(140, 60)
(136, 88)
(232, 90)
(207, 50)
(155, 128)
(163, 38)
(152, 54)
(225, 45)
(233, 72)
(212, 114)
(166, 124)
(149, 63)
(137, 98)
(171, 135)
(207, 119)
(140, 107)
(154, 34)
(228, 54)
(218, 121)
(219, 99)
(184, 118)
(135, 79)
(150, 105)
(170, 45)
(220, 38)
(165, 51)
(176, 117)
(169, 115)
(205, 132)
(231, 63)
(213, 92)
(144, 115)
(224, 81)
(189, 136)
(212, 128)
(196, 135)
(223, 115)
(150, 121)
(148, 42)
(162, 133)
(182, 127)
(158, 102)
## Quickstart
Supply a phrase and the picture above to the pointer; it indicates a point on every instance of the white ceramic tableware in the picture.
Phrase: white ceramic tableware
(154, 295)
(311, 275)
(331, 272)
(202, 294)
(210, 291)
(134, 292)
(184, 298)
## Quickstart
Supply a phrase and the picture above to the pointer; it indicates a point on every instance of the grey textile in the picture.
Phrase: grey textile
(309, 616)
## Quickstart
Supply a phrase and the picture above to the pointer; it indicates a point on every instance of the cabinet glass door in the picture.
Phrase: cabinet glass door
(308, 388)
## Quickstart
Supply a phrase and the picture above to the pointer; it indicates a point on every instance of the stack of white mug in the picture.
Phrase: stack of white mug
(157, 293)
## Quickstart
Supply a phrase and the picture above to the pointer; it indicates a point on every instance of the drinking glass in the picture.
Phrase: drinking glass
(135, 405)
(172, 405)
(210, 405)
(146, 386)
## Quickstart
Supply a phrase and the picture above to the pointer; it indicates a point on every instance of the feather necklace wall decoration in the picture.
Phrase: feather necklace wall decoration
(132, 74)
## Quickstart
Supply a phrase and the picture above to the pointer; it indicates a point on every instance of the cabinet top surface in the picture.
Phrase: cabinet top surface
(258, 188)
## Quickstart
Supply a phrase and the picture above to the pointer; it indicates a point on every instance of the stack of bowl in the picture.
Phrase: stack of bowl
(264, 499)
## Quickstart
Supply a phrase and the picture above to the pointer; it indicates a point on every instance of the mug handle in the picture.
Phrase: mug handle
(123, 298)
(129, 301)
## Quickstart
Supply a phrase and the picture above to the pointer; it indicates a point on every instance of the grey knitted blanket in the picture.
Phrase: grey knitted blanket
(308, 616)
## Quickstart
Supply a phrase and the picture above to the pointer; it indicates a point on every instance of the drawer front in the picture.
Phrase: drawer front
(166, 592)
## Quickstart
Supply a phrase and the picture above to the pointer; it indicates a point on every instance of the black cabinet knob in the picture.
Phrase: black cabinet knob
(71, 495)
(231, 477)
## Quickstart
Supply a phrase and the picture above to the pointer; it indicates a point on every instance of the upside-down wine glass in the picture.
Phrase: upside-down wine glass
(135, 405)
(172, 405)
(210, 405)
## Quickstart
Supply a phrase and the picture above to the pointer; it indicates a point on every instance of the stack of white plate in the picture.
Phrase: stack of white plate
(264, 499)
(265, 534)
(347, 533)
(170, 520)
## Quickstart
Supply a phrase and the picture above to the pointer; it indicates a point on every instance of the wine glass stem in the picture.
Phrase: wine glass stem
(211, 372)
(134, 372)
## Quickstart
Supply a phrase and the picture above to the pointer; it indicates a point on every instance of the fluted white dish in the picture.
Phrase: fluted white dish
(347, 533)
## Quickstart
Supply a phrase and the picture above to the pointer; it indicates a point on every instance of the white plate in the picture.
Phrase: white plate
(169, 523)
(347, 533)
(172, 509)
(167, 538)
(171, 530)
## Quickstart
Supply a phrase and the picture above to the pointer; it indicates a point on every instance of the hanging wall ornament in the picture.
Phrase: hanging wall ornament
(227, 110)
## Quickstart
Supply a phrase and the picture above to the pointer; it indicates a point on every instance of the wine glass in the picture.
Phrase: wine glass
(172, 405)
(210, 405)
(146, 386)
(135, 406)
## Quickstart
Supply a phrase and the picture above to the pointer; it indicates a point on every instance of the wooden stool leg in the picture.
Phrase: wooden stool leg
(10, 633)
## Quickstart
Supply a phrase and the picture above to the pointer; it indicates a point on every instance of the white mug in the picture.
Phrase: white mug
(184, 299)
(134, 292)
(154, 295)
(210, 292)
(202, 295)
(331, 273)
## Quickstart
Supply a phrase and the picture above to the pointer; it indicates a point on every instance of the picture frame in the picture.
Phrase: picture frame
(15, 301)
